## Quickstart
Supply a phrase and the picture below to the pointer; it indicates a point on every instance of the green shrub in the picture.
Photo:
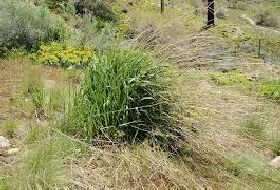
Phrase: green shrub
(95, 33)
(271, 89)
(23, 24)
(9, 128)
(56, 5)
(98, 8)
(65, 56)
(122, 98)
(264, 18)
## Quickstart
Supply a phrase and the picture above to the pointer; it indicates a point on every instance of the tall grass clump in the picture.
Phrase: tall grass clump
(22, 24)
(123, 97)
(253, 128)
(43, 165)
(9, 128)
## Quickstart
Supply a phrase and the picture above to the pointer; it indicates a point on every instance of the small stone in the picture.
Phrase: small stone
(49, 83)
(275, 162)
(124, 10)
(70, 68)
(4, 142)
(12, 151)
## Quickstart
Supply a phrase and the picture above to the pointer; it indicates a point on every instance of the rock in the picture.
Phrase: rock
(275, 162)
(13, 151)
(70, 68)
(124, 10)
(4, 142)
(49, 84)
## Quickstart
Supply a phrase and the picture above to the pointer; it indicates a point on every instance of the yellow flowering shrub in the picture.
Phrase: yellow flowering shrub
(60, 55)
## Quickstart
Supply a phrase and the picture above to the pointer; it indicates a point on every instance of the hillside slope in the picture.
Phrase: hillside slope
(146, 101)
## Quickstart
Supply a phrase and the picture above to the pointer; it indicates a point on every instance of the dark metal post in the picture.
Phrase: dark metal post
(161, 6)
(259, 50)
(211, 13)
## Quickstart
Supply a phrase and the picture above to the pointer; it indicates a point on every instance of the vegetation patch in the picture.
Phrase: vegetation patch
(265, 18)
(276, 147)
(252, 171)
(100, 9)
(229, 79)
(243, 165)
(23, 24)
(123, 98)
(60, 55)
(253, 128)
(43, 166)
(9, 128)
(271, 89)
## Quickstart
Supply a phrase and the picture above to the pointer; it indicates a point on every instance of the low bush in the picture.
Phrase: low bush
(264, 18)
(62, 55)
(221, 14)
(23, 24)
(56, 5)
(122, 99)
(95, 33)
(98, 8)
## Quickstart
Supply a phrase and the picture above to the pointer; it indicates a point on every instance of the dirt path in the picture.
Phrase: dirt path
(253, 24)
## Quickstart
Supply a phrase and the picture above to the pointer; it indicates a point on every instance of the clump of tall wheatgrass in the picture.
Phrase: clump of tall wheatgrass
(123, 98)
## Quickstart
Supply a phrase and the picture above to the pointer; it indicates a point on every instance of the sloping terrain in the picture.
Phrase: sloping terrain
(225, 113)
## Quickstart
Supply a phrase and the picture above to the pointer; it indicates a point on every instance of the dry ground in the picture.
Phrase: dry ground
(215, 112)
